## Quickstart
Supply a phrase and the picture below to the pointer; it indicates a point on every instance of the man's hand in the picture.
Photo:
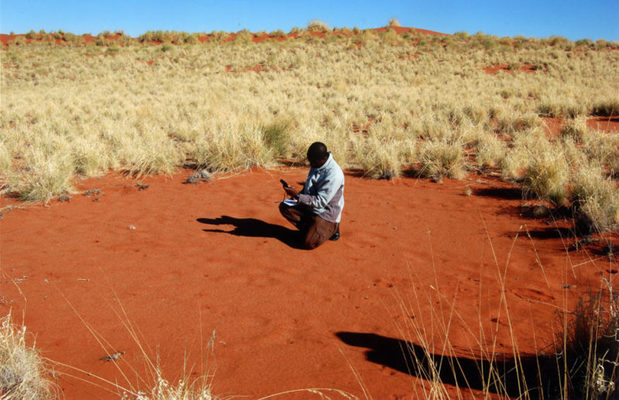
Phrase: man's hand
(292, 192)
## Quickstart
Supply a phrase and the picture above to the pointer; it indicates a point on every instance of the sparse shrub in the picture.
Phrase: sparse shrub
(31, 35)
(602, 44)
(191, 39)
(179, 38)
(18, 41)
(160, 36)
(278, 34)
(218, 36)
(390, 36)
(155, 36)
(394, 23)
(243, 37)
(166, 47)
(145, 37)
(584, 43)
(22, 371)
(558, 41)
(346, 31)
(489, 43)
(505, 41)
(72, 38)
(368, 35)
(318, 26)
(485, 41)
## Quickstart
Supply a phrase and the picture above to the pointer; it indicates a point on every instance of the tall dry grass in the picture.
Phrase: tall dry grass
(580, 361)
(382, 103)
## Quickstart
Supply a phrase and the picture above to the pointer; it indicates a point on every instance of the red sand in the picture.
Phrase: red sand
(276, 309)
(553, 126)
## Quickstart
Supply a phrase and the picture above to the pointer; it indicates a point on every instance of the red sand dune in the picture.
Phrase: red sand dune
(217, 257)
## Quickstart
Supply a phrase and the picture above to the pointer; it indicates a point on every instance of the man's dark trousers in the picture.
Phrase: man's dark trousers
(315, 230)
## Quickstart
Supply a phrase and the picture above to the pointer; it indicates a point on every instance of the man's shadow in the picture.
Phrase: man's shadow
(252, 227)
(503, 375)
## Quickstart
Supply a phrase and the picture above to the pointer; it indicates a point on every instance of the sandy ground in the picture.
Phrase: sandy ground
(179, 264)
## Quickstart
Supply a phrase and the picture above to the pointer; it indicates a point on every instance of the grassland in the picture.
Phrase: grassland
(385, 103)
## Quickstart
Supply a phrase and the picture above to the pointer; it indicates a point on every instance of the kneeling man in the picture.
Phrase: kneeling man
(318, 210)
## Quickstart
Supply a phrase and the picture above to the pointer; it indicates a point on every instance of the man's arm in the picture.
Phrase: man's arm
(327, 190)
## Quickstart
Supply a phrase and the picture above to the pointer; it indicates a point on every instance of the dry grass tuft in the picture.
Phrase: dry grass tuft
(575, 129)
(234, 146)
(22, 371)
(547, 176)
(596, 202)
(46, 175)
(378, 159)
(318, 26)
(441, 158)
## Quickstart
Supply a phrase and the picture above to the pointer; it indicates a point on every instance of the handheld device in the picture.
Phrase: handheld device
(284, 183)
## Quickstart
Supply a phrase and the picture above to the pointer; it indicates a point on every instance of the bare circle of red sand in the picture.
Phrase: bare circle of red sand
(186, 261)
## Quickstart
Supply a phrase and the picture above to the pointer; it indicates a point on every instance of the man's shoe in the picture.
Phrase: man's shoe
(336, 235)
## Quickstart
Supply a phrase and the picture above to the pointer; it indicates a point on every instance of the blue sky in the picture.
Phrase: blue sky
(594, 19)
